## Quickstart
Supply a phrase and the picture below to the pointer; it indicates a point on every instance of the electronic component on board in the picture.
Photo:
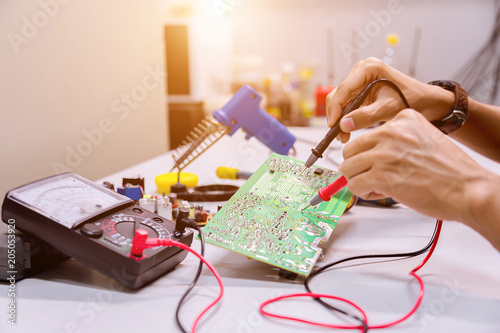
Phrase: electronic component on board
(134, 193)
(108, 185)
(129, 182)
(158, 206)
(264, 221)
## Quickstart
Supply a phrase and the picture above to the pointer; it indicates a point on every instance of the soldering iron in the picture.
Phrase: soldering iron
(335, 129)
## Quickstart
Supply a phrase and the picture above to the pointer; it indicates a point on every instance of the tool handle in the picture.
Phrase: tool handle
(386, 202)
(326, 192)
(335, 129)
(243, 111)
(232, 173)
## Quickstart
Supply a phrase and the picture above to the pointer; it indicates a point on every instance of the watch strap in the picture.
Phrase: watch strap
(458, 115)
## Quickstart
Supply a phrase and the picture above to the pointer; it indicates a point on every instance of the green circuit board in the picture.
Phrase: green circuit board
(263, 220)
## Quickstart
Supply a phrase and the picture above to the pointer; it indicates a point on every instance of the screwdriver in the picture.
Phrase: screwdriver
(335, 129)
(232, 173)
(325, 193)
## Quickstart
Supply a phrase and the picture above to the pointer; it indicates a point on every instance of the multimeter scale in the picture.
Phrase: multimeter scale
(95, 226)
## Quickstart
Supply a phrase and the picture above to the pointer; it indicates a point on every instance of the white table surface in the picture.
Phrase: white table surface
(462, 278)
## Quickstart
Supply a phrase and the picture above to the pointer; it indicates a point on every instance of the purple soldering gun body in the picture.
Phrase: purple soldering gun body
(243, 111)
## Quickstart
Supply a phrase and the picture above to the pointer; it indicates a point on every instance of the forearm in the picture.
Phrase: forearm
(481, 131)
(483, 205)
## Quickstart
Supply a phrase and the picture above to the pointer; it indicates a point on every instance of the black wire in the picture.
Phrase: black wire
(389, 83)
(361, 97)
(366, 256)
(306, 282)
(193, 283)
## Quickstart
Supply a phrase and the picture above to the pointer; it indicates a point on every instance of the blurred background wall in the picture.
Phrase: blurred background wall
(82, 87)
(83, 84)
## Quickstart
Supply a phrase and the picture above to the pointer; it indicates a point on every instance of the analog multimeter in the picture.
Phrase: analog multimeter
(95, 226)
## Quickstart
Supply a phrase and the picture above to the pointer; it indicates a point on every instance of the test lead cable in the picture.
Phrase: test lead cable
(193, 225)
(364, 320)
(142, 242)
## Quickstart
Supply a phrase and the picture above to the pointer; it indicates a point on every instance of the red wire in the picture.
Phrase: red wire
(420, 282)
(429, 254)
(411, 312)
(266, 313)
(214, 272)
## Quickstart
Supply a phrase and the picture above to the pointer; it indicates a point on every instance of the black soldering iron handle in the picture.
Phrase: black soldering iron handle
(335, 129)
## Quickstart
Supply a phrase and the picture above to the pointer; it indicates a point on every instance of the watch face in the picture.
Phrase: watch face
(67, 199)
(453, 122)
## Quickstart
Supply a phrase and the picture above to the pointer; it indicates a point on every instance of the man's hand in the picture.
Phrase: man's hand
(383, 103)
(411, 161)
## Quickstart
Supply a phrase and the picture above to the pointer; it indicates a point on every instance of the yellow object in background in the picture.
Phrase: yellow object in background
(392, 39)
(226, 173)
(164, 181)
(307, 108)
(274, 111)
(232, 173)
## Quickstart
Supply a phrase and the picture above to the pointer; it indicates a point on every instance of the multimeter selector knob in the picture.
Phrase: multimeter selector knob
(91, 230)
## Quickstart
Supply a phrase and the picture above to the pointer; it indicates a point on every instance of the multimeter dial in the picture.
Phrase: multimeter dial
(120, 228)
(95, 226)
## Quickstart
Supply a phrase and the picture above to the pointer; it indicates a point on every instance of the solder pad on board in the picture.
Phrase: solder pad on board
(263, 220)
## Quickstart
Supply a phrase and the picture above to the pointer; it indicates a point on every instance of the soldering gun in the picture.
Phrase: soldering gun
(242, 111)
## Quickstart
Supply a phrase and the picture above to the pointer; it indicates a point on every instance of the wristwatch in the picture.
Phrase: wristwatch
(460, 111)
